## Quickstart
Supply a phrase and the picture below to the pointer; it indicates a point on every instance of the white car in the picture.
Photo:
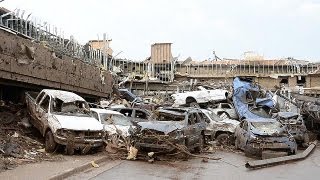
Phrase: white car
(200, 96)
(63, 118)
(113, 121)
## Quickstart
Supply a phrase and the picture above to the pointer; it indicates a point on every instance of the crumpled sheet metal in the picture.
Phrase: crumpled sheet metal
(163, 126)
(64, 96)
(239, 97)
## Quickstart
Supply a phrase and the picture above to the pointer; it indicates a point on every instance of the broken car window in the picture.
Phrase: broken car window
(45, 103)
(126, 112)
(78, 107)
(40, 97)
(140, 114)
(192, 119)
(95, 115)
(167, 117)
(115, 119)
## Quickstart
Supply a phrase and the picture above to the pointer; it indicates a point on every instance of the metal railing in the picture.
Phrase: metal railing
(42, 32)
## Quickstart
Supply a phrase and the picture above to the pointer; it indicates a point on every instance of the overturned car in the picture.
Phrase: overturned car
(256, 136)
(170, 127)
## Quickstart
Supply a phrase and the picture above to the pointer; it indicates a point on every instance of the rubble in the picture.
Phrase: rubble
(18, 144)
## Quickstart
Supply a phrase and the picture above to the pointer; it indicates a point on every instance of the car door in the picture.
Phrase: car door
(243, 134)
(42, 111)
(192, 131)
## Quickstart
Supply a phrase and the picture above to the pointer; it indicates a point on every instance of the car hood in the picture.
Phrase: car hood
(267, 132)
(162, 126)
(79, 123)
(112, 129)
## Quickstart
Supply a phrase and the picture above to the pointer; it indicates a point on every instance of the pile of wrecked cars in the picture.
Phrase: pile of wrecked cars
(265, 125)
(253, 120)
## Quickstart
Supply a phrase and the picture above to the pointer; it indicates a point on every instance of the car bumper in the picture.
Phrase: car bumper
(257, 148)
(78, 143)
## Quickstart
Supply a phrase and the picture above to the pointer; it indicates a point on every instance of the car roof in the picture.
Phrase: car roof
(65, 96)
(98, 110)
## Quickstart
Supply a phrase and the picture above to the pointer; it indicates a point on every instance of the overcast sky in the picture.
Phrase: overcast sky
(273, 28)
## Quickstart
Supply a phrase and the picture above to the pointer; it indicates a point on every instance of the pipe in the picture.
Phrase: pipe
(274, 161)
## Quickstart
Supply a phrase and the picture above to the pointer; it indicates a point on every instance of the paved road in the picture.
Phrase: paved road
(231, 167)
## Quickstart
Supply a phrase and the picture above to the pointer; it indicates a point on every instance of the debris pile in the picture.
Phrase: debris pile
(19, 143)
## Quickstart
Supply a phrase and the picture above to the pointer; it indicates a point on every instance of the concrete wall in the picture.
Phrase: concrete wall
(18, 63)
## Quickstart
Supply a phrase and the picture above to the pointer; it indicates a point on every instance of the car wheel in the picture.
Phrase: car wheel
(69, 150)
(223, 139)
(50, 144)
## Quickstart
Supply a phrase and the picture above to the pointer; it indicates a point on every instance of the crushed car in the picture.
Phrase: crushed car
(199, 97)
(225, 110)
(134, 114)
(295, 126)
(170, 127)
(114, 122)
(64, 118)
(221, 130)
(255, 136)
(250, 101)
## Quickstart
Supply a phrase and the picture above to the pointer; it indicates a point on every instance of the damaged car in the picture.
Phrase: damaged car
(134, 114)
(225, 110)
(64, 118)
(219, 129)
(114, 122)
(295, 126)
(199, 97)
(170, 127)
(250, 101)
(255, 136)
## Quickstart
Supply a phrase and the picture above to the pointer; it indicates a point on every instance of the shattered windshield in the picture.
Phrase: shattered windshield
(70, 108)
(268, 127)
(213, 116)
(168, 117)
(116, 119)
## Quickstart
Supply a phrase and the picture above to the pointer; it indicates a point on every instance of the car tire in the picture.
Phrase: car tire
(70, 150)
(223, 139)
(50, 144)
